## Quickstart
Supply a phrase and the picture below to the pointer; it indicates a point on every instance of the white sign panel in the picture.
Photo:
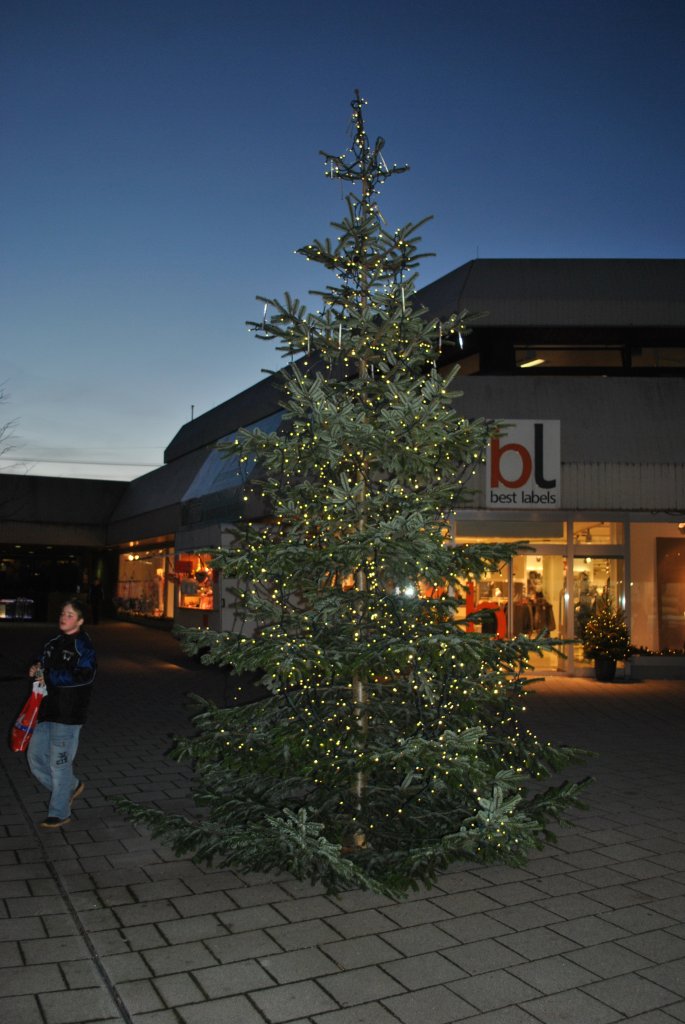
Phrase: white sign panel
(523, 466)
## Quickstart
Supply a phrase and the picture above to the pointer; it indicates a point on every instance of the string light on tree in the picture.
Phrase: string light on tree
(389, 740)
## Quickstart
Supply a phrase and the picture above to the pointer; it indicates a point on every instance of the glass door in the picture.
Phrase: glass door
(538, 603)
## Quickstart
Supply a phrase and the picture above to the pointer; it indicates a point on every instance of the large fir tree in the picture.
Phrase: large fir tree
(389, 741)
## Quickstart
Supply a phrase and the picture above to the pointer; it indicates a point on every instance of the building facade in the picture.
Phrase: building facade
(582, 362)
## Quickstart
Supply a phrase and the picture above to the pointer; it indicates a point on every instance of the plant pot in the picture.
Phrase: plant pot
(605, 668)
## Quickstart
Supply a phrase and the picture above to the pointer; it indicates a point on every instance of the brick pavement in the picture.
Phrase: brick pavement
(100, 924)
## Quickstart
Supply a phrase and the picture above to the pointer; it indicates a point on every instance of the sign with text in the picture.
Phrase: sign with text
(523, 466)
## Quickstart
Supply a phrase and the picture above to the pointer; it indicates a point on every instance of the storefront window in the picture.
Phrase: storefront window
(195, 581)
(597, 533)
(509, 530)
(670, 575)
(597, 582)
(658, 358)
(489, 597)
(538, 601)
(144, 583)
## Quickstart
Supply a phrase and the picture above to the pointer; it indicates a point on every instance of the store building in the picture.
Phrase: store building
(584, 360)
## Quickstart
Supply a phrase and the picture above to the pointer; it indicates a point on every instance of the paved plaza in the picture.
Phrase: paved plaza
(98, 923)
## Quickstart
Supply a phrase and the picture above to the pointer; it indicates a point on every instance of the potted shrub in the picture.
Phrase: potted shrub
(606, 639)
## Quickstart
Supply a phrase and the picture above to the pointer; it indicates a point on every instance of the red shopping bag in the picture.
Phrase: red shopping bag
(22, 730)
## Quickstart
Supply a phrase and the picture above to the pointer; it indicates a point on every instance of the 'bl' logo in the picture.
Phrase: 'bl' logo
(529, 465)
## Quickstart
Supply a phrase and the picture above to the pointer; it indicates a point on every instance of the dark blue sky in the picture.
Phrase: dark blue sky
(160, 164)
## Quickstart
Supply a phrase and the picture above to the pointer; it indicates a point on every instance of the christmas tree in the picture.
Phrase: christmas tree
(388, 742)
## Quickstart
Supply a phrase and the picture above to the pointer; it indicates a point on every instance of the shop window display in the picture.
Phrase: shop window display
(598, 583)
(195, 582)
(142, 588)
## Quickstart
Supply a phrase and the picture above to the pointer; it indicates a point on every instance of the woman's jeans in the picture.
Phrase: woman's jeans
(50, 755)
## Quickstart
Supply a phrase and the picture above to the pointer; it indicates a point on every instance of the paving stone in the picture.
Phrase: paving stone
(14, 889)
(363, 922)
(60, 924)
(109, 942)
(139, 996)
(361, 985)
(458, 904)
(125, 967)
(483, 956)
(631, 994)
(659, 888)
(304, 909)
(288, 1002)
(670, 975)
(637, 919)
(674, 906)
(544, 866)
(474, 927)
(243, 976)
(115, 896)
(608, 959)
(654, 1017)
(640, 869)
(524, 917)
(423, 971)
(587, 931)
(192, 928)
(370, 1013)
(253, 895)
(12, 871)
(584, 860)
(360, 899)
(30, 980)
(461, 881)
(98, 920)
(205, 903)
(617, 896)
(34, 906)
(553, 974)
(251, 918)
(571, 1008)
(537, 942)
(166, 889)
(230, 948)
(677, 1011)
(20, 1010)
(506, 1015)
(10, 955)
(658, 946)
(510, 894)
(559, 885)
(83, 1006)
(235, 1010)
(146, 913)
(306, 933)
(178, 989)
(188, 956)
(572, 905)
(213, 882)
(55, 950)
(600, 878)
(422, 938)
(143, 936)
(299, 964)
(81, 974)
(436, 1005)
(493, 990)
